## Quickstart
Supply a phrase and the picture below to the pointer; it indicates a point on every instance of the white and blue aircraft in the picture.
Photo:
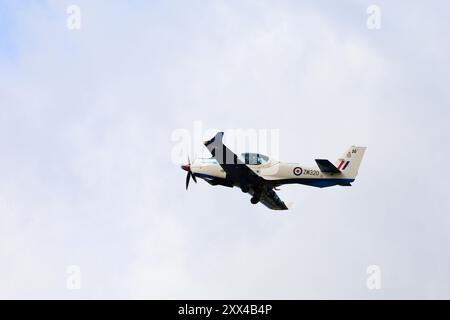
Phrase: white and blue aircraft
(260, 175)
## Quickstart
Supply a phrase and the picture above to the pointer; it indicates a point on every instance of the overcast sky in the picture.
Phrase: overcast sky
(87, 177)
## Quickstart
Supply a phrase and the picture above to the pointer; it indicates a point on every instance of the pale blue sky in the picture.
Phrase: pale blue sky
(8, 46)
(86, 119)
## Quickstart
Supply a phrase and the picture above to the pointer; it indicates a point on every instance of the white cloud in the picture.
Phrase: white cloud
(85, 128)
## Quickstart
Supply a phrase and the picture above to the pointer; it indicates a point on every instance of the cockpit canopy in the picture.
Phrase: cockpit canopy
(254, 158)
(248, 158)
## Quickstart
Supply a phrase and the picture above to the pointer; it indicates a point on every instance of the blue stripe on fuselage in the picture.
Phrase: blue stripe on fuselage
(320, 183)
(345, 165)
(205, 176)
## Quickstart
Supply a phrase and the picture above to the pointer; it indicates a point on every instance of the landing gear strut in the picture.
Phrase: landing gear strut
(244, 186)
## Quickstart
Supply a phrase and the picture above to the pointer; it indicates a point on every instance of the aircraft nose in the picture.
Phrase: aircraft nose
(186, 167)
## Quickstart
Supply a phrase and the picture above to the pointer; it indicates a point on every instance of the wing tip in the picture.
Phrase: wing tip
(218, 136)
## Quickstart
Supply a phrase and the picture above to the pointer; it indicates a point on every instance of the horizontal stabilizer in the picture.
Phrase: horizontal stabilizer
(326, 166)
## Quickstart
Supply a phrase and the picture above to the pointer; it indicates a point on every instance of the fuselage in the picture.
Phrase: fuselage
(259, 175)
(274, 172)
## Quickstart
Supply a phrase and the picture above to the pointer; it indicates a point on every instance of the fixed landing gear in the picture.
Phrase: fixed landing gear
(256, 197)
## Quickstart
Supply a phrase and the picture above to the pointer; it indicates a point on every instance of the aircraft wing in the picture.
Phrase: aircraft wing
(229, 161)
(236, 169)
(270, 199)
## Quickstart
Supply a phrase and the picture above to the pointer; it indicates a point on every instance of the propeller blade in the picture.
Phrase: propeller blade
(189, 173)
(188, 177)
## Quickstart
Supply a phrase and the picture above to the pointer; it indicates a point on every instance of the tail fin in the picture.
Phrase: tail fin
(350, 161)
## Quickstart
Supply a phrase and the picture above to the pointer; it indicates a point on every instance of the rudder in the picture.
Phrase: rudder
(350, 161)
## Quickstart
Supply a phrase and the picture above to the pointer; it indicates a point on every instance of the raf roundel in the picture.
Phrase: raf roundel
(298, 171)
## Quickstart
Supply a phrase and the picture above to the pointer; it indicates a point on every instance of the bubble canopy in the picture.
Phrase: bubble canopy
(254, 158)
(247, 157)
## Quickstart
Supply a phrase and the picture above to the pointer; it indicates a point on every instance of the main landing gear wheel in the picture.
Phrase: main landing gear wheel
(254, 200)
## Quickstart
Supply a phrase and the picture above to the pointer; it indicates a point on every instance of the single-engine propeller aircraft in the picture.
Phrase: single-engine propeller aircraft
(260, 175)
